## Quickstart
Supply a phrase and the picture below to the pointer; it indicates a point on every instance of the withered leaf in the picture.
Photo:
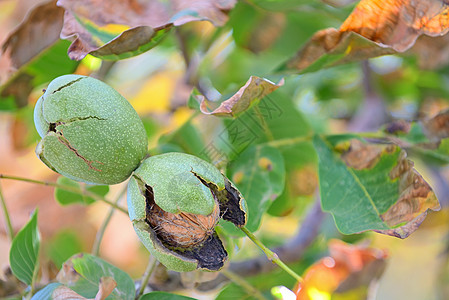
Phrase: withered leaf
(254, 90)
(347, 268)
(63, 293)
(330, 47)
(120, 29)
(37, 32)
(398, 23)
(32, 45)
(372, 187)
(388, 26)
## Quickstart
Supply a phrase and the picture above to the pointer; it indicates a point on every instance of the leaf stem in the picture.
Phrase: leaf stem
(271, 255)
(243, 283)
(104, 225)
(10, 230)
(66, 188)
(146, 276)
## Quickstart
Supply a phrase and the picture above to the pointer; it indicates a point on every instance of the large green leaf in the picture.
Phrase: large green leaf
(23, 256)
(65, 197)
(370, 187)
(163, 296)
(259, 174)
(82, 274)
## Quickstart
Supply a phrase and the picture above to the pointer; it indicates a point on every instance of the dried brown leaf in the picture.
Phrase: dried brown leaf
(107, 285)
(38, 31)
(64, 293)
(255, 89)
(398, 23)
(341, 47)
(389, 26)
(124, 27)
(415, 194)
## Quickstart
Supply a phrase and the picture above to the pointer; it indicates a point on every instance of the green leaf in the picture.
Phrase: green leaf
(163, 296)
(46, 292)
(371, 187)
(65, 198)
(23, 256)
(82, 273)
(259, 174)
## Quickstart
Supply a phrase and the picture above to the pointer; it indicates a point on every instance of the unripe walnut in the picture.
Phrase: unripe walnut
(89, 132)
(175, 201)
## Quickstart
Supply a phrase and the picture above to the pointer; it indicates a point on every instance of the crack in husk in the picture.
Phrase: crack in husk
(67, 84)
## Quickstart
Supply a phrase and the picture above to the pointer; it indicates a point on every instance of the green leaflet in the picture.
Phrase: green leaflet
(24, 251)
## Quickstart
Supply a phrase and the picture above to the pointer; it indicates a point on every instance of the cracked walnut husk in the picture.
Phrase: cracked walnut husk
(90, 133)
(175, 201)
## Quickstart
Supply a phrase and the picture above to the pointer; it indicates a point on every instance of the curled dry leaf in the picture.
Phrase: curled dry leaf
(120, 29)
(254, 90)
(415, 196)
(374, 28)
(347, 268)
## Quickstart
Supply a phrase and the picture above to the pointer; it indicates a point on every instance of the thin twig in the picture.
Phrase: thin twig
(68, 189)
(146, 276)
(244, 284)
(100, 233)
(9, 227)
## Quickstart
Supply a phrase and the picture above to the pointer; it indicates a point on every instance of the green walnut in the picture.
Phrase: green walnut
(175, 200)
(90, 133)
